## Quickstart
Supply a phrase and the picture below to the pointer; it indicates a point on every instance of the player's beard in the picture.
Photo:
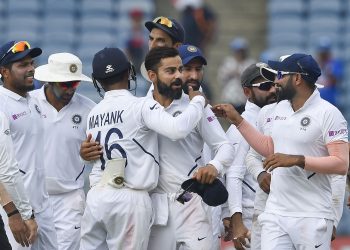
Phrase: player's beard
(286, 92)
(194, 83)
(262, 101)
(168, 91)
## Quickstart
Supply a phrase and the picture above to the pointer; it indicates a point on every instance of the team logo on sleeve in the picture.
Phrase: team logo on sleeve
(37, 109)
(176, 113)
(305, 121)
(76, 119)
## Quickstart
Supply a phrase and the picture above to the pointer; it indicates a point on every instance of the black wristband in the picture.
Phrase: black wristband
(13, 213)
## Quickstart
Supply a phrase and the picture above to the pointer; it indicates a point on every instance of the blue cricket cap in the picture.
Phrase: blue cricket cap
(169, 25)
(298, 63)
(189, 52)
(7, 56)
(213, 194)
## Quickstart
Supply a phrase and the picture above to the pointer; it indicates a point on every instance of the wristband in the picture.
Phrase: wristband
(13, 213)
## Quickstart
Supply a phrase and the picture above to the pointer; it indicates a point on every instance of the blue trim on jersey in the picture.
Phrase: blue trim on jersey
(311, 175)
(192, 169)
(250, 187)
(144, 150)
(82, 171)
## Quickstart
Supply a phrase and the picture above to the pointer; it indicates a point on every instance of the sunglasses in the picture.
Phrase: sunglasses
(17, 47)
(281, 74)
(265, 86)
(164, 21)
(68, 85)
(185, 196)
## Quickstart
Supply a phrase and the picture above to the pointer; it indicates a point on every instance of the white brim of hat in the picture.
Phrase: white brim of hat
(42, 73)
(144, 73)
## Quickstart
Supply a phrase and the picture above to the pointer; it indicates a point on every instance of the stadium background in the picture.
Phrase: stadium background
(271, 27)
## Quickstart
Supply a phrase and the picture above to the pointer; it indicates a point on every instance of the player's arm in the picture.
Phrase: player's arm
(261, 143)
(156, 118)
(216, 139)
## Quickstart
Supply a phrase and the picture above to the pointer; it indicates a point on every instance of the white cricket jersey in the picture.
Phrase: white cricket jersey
(295, 191)
(239, 182)
(179, 159)
(26, 128)
(10, 176)
(64, 132)
(254, 161)
(127, 127)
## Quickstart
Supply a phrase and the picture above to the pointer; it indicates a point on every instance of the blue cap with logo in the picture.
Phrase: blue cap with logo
(169, 26)
(9, 52)
(299, 63)
(109, 62)
(189, 52)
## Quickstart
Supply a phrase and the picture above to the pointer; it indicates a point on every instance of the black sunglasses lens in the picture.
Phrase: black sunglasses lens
(266, 86)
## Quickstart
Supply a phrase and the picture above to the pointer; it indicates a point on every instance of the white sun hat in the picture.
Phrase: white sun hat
(61, 67)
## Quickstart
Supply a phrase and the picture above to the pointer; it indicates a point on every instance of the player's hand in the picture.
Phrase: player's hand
(283, 160)
(241, 235)
(334, 233)
(192, 93)
(228, 112)
(206, 175)
(32, 230)
(264, 180)
(19, 230)
(228, 229)
(90, 150)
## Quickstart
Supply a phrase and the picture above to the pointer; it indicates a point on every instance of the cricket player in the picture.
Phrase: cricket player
(298, 213)
(26, 128)
(118, 214)
(12, 193)
(260, 91)
(64, 113)
(185, 225)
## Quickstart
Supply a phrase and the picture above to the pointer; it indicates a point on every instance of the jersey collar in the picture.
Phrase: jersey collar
(11, 94)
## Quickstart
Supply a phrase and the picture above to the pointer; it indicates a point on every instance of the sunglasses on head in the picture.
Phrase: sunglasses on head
(68, 85)
(17, 47)
(185, 196)
(265, 86)
(164, 21)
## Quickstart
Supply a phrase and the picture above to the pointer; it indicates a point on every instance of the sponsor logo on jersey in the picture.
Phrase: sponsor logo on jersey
(151, 108)
(109, 69)
(37, 109)
(305, 121)
(211, 118)
(16, 116)
(280, 118)
(176, 113)
(269, 119)
(337, 132)
(76, 119)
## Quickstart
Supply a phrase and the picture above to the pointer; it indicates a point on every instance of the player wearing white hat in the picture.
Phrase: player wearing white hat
(118, 214)
(64, 113)
(26, 127)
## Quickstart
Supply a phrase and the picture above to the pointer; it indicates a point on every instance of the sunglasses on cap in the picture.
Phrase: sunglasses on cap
(17, 47)
(281, 74)
(164, 21)
(264, 86)
(68, 85)
(185, 196)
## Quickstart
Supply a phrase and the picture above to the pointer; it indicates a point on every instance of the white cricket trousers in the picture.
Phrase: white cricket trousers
(116, 219)
(188, 227)
(294, 233)
(68, 208)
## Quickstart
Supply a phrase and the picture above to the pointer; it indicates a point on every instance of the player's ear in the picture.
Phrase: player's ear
(152, 75)
(247, 92)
